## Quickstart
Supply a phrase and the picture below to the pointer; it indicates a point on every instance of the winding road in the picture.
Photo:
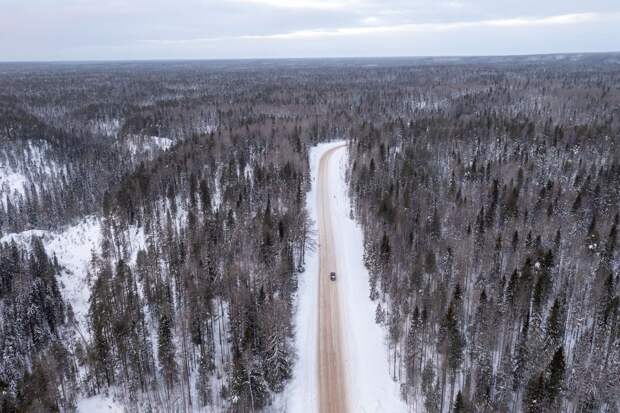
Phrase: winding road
(332, 378)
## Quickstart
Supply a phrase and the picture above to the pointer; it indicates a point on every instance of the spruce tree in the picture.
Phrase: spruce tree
(555, 375)
(166, 349)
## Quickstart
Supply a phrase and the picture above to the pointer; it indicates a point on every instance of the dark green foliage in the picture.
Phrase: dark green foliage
(555, 373)
(32, 317)
(166, 349)
(459, 404)
(488, 192)
(499, 199)
(533, 400)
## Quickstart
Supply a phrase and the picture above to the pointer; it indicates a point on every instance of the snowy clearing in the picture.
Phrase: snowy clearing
(73, 248)
(10, 182)
(147, 145)
(99, 404)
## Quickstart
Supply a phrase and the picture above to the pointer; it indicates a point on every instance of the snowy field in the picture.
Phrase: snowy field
(370, 386)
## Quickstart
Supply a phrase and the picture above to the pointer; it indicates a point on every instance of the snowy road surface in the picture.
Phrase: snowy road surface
(353, 373)
(332, 384)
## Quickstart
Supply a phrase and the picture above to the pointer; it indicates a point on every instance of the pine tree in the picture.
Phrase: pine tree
(544, 282)
(459, 404)
(555, 324)
(534, 395)
(452, 338)
(100, 314)
(385, 250)
(412, 346)
(521, 353)
(203, 384)
(166, 350)
(379, 314)
(250, 392)
(277, 363)
(555, 374)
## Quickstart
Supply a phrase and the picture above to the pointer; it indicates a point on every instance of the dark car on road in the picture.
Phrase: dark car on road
(332, 276)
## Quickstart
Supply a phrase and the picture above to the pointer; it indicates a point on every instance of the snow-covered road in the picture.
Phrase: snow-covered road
(332, 379)
(362, 355)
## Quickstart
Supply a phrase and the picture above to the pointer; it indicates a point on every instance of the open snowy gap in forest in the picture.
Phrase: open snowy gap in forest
(370, 386)
(99, 404)
(73, 248)
(147, 145)
(18, 167)
(11, 182)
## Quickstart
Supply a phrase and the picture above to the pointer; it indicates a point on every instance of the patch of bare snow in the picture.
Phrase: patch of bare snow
(11, 182)
(148, 145)
(99, 404)
(73, 248)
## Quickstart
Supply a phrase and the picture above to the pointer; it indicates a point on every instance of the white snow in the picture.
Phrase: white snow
(18, 169)
(147, 145)
(370, 386)
(10, 182)
(163, 143)
(303, 392)
(99, 404)
(73, 248)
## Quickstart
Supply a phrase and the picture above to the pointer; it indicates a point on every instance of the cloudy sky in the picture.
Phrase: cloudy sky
(210, 29)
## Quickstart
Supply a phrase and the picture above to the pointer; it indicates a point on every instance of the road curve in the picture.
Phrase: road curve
(332, 382)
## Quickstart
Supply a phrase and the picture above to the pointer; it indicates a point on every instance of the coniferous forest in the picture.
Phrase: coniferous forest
(487, 189)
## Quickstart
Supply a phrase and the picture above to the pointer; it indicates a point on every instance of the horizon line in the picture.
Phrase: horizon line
(268, 58)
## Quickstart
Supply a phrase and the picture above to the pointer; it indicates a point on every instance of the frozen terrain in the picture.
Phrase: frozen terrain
(99, 404)
(73, 247)
(369, 385)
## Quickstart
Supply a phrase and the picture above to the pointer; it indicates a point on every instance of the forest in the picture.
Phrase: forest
(488, 191)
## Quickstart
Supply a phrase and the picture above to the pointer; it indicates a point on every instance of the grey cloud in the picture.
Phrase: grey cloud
(89, 29)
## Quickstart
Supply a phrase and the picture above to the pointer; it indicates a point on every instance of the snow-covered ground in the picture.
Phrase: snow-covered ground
(147, 145)
(18, 169)
(11, 182)
(99, 404)
(303, 390)
(371, 389)
(73, 248)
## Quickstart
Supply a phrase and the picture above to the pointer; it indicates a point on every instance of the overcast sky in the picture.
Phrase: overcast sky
(210, 29)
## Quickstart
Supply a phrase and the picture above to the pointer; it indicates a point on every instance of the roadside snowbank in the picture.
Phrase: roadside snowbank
(370, 386)
(371, 389)
(303, 391)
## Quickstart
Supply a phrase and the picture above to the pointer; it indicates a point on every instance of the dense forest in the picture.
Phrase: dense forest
(492, 244)
(488, 190)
